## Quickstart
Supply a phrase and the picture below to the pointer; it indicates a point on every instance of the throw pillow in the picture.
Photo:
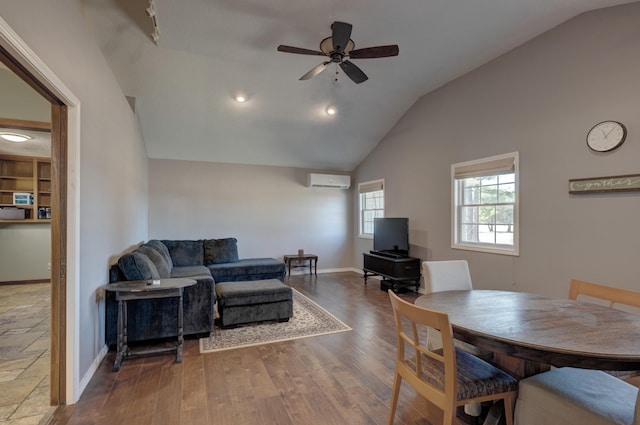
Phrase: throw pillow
(185, 253)
(157, 259)
(218, 251)
(137, 266)
(162, 249)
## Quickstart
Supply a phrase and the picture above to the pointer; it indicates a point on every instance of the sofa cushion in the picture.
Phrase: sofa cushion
(248, 269)
(252, 292)
(162, 249)
(218, 251)
(157, 259)
(185, 253)
(137, 266)
(193, 272)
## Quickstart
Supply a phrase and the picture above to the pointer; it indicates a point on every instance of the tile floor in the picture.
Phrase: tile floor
(24, 354)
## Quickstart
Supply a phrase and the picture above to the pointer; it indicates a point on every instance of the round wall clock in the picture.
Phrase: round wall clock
(606, 136)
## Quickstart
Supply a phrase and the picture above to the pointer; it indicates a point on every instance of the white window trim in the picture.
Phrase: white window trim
(491, 163)
(364, 184)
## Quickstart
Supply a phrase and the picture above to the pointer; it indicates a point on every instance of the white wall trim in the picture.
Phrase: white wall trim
(17, 48)
(305, 270)
(82, 385)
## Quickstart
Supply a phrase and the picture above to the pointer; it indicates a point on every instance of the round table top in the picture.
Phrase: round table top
(557, 331)
(144, 286)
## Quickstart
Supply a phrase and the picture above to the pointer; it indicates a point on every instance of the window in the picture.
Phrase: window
(485, 204)
(371, 196)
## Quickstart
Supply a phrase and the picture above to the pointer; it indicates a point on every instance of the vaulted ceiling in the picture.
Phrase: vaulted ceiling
(209, 51)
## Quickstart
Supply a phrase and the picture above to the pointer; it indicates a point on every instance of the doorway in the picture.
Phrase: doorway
(58, 294)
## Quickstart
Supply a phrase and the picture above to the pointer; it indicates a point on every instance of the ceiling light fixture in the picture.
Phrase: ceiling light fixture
(15, 137)
(241, 99)
(331, 110)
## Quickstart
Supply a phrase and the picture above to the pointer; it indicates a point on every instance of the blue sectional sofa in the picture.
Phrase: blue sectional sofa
(207, 261)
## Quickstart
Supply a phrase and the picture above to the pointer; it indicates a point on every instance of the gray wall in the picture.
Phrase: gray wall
(539, 99)
(113, 163)
(268, 209)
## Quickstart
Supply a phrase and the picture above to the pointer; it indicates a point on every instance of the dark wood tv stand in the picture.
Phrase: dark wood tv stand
(398, 272)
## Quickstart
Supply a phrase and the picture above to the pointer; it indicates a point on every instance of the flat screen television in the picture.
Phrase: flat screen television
(391, 235)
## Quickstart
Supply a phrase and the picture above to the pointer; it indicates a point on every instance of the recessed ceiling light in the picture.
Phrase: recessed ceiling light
(331, 110)
(15, 137)
(240, 98)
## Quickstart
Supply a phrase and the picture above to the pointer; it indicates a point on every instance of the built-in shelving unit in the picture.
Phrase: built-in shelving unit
(31, 175)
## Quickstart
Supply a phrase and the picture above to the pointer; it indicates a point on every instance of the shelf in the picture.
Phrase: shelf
(26, 220)
(16, 168)
(28, 207)
(21, 174)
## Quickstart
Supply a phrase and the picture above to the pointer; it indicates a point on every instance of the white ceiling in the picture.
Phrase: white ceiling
(209, 50)
(39, 145)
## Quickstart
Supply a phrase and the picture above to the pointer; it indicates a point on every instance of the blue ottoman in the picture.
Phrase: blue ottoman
(253, 301)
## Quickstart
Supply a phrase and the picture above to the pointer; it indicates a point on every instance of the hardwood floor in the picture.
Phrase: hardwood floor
(342, 378)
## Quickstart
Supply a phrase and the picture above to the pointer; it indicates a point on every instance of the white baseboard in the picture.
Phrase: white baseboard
(302, 271)
(92, 370)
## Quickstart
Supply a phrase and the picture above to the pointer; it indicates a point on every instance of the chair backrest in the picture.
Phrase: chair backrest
(447, 275)
(612, 295)
(413, 356)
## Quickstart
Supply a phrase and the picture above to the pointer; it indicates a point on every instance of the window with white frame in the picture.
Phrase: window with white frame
(485, 204)
(371, 205)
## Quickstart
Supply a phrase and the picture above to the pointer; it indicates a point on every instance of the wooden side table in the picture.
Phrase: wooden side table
(311, 258)
(143, 290)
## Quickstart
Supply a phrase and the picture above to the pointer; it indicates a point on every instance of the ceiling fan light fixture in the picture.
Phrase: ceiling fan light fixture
(15, 137)
(326, 46)
(339, 48)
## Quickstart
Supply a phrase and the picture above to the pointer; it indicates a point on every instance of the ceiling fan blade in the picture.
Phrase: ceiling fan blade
(353, 72)
(299, 50)
(340, 35)
(375, 52)
(315, 71)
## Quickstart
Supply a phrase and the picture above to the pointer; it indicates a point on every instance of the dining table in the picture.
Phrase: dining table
(530, 332)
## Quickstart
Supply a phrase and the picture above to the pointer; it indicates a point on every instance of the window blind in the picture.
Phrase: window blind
(497, 165)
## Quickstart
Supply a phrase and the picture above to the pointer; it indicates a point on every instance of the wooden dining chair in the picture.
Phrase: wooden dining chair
(451, 275)
(447, 378)
(613, 296)
(608, 293)
(448, 275)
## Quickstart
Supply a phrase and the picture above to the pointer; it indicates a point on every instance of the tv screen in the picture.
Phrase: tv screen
(391, 235)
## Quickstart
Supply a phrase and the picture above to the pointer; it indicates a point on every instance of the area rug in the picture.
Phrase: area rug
(309, 319)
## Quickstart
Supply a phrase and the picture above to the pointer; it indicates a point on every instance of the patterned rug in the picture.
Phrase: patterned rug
(309, 319)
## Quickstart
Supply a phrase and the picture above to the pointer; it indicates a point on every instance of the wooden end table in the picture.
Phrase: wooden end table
(311, 258)
(144, 290)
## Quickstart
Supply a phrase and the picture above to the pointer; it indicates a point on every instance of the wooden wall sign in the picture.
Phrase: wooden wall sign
(626, 183)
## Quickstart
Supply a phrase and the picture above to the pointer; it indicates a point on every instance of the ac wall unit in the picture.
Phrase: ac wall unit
(328, 180)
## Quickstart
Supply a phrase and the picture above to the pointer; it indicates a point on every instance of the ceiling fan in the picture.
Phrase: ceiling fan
(338, 49)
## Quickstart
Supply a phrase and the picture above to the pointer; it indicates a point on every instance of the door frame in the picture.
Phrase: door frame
(65, 231)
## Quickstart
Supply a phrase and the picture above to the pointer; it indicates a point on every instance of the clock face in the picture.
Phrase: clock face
(606, 136)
